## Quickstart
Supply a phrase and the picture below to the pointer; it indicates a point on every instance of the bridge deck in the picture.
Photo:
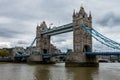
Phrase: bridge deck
(51, 55)
(102, 53)
(87, 53)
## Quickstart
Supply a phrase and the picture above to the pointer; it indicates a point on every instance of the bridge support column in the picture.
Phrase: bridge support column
(80, 60)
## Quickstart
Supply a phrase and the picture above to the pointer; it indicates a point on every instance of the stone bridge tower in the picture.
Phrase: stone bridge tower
(42, 41)
(82, 41)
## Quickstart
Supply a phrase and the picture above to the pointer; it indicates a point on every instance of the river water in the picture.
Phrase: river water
(106, 71)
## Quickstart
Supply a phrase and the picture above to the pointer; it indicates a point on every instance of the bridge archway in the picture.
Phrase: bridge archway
(45, 51)
(63, 42)
(87, 48)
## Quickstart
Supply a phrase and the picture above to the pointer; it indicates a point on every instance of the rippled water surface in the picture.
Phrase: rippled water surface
(106, 71)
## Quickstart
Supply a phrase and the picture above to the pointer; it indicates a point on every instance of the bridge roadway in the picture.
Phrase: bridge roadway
(18, 55)
(52, 55)
(59, 30)
(87, 53)
(102, 53)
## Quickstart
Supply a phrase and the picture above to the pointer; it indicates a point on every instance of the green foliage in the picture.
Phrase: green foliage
(4, 52)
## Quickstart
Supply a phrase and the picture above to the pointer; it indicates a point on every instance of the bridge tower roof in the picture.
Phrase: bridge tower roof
(43, 25)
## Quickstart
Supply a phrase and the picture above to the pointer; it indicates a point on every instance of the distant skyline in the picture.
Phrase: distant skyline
(19, 18)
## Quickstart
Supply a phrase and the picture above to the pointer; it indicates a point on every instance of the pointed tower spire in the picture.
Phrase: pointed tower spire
(74, 13)
(81, 5)
(38, 24)
(82, 11)
(43, 25)
(90, 16)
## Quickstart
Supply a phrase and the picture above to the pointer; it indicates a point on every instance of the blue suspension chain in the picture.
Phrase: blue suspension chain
(97, 35)
(104, 39)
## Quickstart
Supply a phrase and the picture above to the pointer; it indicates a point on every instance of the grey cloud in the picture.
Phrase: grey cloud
(58, 39)
(62, 37)
(22, 42)
(55, 11)
(6, 33)
(63, 41)
(37, 9)
(17, 9)
(110, 19)
(12, 31)
(14, 28)
(65, 47)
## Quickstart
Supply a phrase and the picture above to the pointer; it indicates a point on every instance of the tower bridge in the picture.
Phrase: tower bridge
(83, 32)
(82, 41)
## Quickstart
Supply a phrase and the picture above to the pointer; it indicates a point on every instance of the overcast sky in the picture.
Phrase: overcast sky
(19, 18)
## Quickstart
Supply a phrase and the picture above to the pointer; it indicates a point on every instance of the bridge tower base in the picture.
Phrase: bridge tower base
(80, 60)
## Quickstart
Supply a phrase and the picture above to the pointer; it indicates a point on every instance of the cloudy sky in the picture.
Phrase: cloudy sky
(19, 18)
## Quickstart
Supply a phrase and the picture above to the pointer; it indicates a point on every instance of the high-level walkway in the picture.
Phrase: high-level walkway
(58, 30)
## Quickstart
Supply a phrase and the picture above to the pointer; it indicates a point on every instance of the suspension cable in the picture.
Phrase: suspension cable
(106, 41)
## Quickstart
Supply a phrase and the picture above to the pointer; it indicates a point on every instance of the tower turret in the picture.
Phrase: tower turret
(90, 16)
(43, 26)
(82, 11)
(74, 13)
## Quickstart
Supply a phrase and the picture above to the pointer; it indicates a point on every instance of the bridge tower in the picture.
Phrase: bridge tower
(42, 41)
(82, 41)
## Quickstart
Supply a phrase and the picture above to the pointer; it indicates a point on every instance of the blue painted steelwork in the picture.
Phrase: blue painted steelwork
(101, 38)
(24, 54)
(69, 27)
(21, 55)
(52, 55)
(102, 53)
(30, 45)
(59, 30)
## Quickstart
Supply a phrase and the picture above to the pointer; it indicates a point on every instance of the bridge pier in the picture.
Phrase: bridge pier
(49, 60)
(80, 60)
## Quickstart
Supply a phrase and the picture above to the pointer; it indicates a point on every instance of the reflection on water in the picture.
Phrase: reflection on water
(59, 72)
(82, 73)
(106, 71)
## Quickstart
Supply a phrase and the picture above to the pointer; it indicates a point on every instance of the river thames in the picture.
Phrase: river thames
(105, 71)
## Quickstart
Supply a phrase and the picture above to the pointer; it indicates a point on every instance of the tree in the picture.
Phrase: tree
(4, 52)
